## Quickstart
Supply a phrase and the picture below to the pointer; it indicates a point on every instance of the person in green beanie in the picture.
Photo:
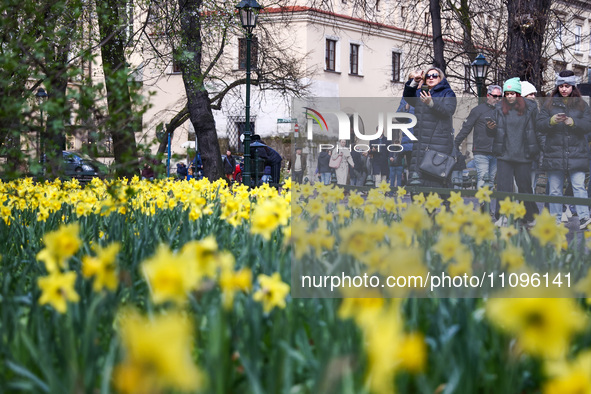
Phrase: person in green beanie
(515, 146)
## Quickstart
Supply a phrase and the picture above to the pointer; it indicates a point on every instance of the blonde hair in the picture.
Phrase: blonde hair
(441, 73)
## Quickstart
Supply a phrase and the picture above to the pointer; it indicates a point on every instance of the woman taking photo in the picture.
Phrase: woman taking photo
(515, 146)
(434, 103)
(563, 120)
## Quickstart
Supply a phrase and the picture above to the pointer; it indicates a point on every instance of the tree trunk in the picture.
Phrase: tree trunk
(527, 24)
(438, 44)
(55, 133)
(120, 123)
(198, 101)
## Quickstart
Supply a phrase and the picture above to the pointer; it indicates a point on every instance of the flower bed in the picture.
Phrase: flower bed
(140, 287)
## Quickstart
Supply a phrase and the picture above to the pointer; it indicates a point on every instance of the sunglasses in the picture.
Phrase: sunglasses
(497, 96)
(429, 76)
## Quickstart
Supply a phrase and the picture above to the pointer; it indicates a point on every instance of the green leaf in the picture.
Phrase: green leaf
(21, 371)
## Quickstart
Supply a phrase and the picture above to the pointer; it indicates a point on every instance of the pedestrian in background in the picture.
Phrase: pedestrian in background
(405, 140)
(481, 121)
(529, 91)
(197, 166)
(323, 167)
(298, 165)
(396, 166)
(565, 119)
(229, 166)
(515, 146)
(270, 158)
(340, 159)
(181, 170)
(379, 159)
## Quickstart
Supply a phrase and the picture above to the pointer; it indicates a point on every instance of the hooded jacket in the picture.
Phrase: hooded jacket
(565, 147)
(434, 127)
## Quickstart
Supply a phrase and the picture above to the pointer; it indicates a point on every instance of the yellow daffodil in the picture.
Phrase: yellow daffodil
(543, 326)
(60, 245)
(447, 245)
(158, 355)
(272, 292)
(433, 202)
(362, 309)
(570, 377)
(233, 281)
(518, 210)
(102, 267)
(512, 257)
(455, 198)
(416, 219)
(268, 216)
(169, 276)
(546, 230)
(57, 289)
(506, 207)
(418, 199)
(203, 255)
(483, 194)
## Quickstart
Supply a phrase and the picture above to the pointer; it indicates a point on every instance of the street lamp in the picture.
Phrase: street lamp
(479, 70)
(248, 10)
(41, 95)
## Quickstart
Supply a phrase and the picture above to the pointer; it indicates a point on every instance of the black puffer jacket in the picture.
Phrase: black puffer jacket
(434, 124)
(565, 147)
(515, 139)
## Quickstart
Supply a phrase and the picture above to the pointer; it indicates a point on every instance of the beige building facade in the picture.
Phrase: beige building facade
(345, 53)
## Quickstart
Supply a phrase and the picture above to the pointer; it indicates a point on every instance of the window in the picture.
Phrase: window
(254, 45)
(331, 50)
(176, 67)
(403, 13)
(427, 18)
(467, 70)
(558, 38)
(354, 59)
(578, 33)
(377, 5)
(395, 66)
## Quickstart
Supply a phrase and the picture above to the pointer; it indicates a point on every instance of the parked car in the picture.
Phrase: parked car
(81, 166)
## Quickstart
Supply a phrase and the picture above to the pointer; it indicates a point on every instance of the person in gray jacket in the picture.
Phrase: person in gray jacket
(515, 146)
(481, 120)
(564, 119)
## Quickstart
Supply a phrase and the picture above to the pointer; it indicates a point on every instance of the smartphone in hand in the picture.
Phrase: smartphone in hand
(489, 119)
(425, 88)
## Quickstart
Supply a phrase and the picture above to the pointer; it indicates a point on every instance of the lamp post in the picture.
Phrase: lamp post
(248, 10)
(41, 95)
(479, 70)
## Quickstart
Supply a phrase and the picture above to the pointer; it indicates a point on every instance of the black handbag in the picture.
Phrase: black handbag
(437, 164)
